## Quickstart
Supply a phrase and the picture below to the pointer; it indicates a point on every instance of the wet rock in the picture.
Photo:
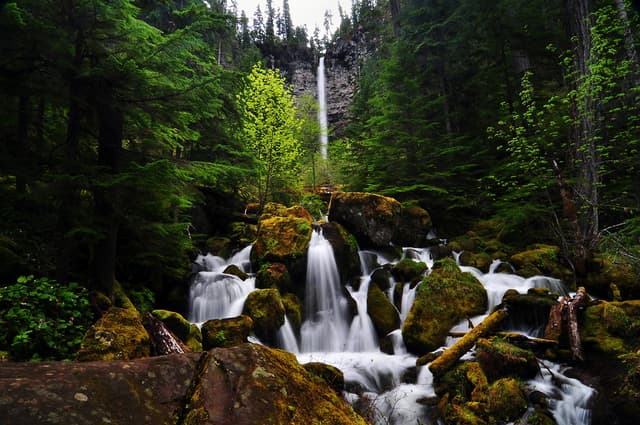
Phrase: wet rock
(118, 335)
(506, 399)
(415, 224)
(187, 332)
(283, 237)
(500, 359)
(345, 251)
(541, 259)
(481, 261)
(383, 313)
(612, 328)
(603, 270)
(226, 332)
(408, 270)
(331, 375)
(294, 310)
(274, 275)
(265, 308)
(234, 270)
(443, 298)
(371, 218)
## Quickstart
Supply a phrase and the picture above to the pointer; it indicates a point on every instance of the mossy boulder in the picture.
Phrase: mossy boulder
(371, 218)
(226, 332)
(530, 309)
(274, 275)
(283, 237)
(266, 309)
(541, 259)
(242, 234)
(331, 375)
(413, 228)
(383, 313)
(294, 310)
(187, 332)
(506, 400)
(408, 270)
(219, 246)
(443, 298)
(481, 261)
(234, 270)
(612, 328)
(499, 359)
(382, 277)
(604, 270)
(118, 335)
(254, 384)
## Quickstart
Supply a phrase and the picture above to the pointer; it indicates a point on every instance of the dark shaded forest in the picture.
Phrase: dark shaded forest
(120, 118)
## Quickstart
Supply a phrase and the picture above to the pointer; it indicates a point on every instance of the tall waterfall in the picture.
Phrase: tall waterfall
(322, 110)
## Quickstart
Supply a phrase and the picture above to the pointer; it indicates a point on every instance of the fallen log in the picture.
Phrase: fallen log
(451, 355)
(163, 341)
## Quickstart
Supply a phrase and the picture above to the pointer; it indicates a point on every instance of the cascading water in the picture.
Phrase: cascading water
(322, 110)
(334, 334)
(215, 294)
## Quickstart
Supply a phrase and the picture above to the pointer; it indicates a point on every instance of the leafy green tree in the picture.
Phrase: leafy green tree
(270, 130)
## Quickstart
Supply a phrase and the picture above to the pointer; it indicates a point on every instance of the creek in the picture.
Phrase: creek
(391, 387)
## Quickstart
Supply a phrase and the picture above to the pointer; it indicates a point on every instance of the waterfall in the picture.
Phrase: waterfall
(337, 330)
(322, 110)
(326, 325)
(215, 294)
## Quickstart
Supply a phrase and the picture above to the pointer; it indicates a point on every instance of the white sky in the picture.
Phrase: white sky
(303, 12)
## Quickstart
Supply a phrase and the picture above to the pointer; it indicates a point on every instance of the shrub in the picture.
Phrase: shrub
(41, 319)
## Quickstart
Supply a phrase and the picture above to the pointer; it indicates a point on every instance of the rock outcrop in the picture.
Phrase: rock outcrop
(248, 384)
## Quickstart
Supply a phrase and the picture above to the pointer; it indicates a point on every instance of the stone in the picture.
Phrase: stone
(371, 218)
(187, 332)
(265, 308)
(383, 313)
(408, 270)
(226, 332)
(500, 359)
(414, 227)
(118, 335)
(443, 298)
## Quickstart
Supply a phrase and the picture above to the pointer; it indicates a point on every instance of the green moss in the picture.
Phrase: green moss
(383, 314)
(499, 359)
(235, 330)
(408, 270)
(175, 322)
(118, 335)
(611, 327)
(266, 309)
(443, 298)
(506, 399)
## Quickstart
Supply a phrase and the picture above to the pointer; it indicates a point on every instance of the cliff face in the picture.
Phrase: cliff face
(342, 66)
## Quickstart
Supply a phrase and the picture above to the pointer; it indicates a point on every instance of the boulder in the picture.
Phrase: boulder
(283, 237)
(265, 308)
(234, 270)
(611, 328)
(253, 384)
(506, 400)
(226, 332)
(345, 251)
(541, 259)
(244, 385)
(443, 298)
(604, 270)
(118, 335)
(294, 310)
(500, 359)
(408, 270)
(371, 218)
(481, 261)
(273, 275)
(383, 313)
(331, 375)
(413, 228)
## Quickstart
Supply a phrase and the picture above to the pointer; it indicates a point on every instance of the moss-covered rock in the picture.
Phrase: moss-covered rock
(187, 332)
(481, 261)
(413, 228)
(331, 375)
(254, 384)
(541, 260)
(372, 218)
(383, 313)
(605, 269)
(274, 275)
(234, 270)
(283, 237)
(118, 335)
(408, 270)
(218, 245)
(506, 400)
(266, 309)
(226, 332)
(242, 234)
(499, 359)
(294, 310)
(443, 298)
(611, 327)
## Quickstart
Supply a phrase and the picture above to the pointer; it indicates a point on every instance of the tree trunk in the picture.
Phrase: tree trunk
(443, 363)
(629, 42)
(579, 301)
(395, 16)
(111, 122)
